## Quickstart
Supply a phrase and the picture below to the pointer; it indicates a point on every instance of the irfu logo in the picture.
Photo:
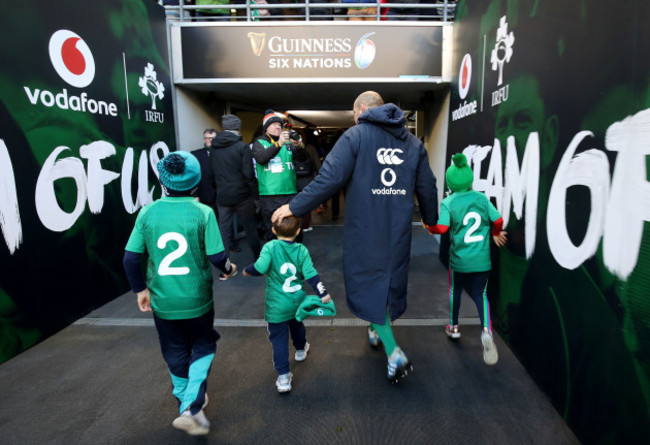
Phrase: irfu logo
(151, 86)
(502, 51)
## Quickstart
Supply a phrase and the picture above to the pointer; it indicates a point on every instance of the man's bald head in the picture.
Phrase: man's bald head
(366, 100)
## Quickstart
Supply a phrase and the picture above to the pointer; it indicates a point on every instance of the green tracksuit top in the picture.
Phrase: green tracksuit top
(286, 266)
(178, 234)
(468, 215)
(276, 177)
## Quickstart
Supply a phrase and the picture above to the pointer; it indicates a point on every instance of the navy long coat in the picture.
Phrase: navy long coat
(382, 166)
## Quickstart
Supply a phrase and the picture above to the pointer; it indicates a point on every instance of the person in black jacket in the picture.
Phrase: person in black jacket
(306, 164)
(206, 192)
(232, 164)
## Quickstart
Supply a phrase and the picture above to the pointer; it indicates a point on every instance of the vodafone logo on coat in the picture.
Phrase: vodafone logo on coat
(465, 76)
(388, 177)
(72, 58)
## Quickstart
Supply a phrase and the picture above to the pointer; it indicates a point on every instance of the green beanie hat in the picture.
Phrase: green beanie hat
(312, 306)
(179, 171)
(459, 175)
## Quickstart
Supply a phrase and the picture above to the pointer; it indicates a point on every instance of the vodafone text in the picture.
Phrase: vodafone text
(70, 102)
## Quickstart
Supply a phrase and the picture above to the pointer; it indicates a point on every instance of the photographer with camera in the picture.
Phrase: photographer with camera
(276, 178)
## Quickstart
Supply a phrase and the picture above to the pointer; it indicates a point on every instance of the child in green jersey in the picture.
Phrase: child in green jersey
(467, 215)
(286, 265)
(181, 238)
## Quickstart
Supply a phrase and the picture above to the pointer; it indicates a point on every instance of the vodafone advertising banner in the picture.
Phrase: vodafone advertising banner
(85, 114)
(550, 101)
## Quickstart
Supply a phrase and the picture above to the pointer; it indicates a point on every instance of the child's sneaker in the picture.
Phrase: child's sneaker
(373, 338)
(284, 382)
(452, 331)
(398, 366)
(193, 424)
(301, 354)
(224, 277)
(490, 354)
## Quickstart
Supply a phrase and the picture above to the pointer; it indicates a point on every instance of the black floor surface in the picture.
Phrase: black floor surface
(103, 380)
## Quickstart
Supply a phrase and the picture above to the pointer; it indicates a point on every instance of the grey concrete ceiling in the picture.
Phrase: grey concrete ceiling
(323, 104)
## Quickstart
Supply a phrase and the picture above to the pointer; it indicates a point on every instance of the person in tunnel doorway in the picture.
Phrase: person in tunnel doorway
(467, 215)
(178, 289)
(306, 164)
(233, 172)
(276, 178)
(382, 166)
(207, 191)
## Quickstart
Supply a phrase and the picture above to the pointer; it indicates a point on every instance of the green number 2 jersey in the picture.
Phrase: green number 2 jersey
(178, 233)
(468, 215)
(286, 266)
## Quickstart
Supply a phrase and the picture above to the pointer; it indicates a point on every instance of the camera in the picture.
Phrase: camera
(294, 135)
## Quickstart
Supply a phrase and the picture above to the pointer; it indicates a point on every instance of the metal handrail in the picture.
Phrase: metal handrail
(445, 11)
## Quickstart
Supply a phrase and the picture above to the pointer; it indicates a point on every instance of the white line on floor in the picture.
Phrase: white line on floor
(254, 323)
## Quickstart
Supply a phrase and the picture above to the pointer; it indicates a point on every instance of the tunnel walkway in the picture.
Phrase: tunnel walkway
(102, 380)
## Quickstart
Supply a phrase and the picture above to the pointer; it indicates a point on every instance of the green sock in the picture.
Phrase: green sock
(385, 333)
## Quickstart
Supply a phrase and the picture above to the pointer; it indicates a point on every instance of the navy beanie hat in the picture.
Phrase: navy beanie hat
(179, 171)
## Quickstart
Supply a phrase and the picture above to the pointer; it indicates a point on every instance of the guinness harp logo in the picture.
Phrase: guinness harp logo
(257, 42)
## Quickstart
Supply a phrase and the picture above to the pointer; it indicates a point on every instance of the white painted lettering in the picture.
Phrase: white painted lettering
(629, 199)
(47, 207)
(522, 184)
(97, 176)
(10, 223)
(143, 196)
(591, 169)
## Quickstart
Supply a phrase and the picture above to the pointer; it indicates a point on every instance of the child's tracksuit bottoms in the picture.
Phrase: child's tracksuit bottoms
(188, 346)
(279, 338)
(476, 285)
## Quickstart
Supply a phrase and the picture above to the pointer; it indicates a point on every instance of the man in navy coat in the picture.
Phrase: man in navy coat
(382, 166)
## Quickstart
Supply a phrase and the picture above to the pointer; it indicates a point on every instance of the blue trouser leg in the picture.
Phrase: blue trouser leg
(298, 333)
(478, 291)
(188, 347)
(455, 291)
(476, 283)
(279, 338)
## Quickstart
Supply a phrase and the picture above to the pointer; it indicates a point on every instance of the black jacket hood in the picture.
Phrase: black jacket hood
(225, 139)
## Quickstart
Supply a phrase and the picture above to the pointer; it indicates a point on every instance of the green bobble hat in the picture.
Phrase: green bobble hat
(312, 306)
(459, 175)
(179, 171)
